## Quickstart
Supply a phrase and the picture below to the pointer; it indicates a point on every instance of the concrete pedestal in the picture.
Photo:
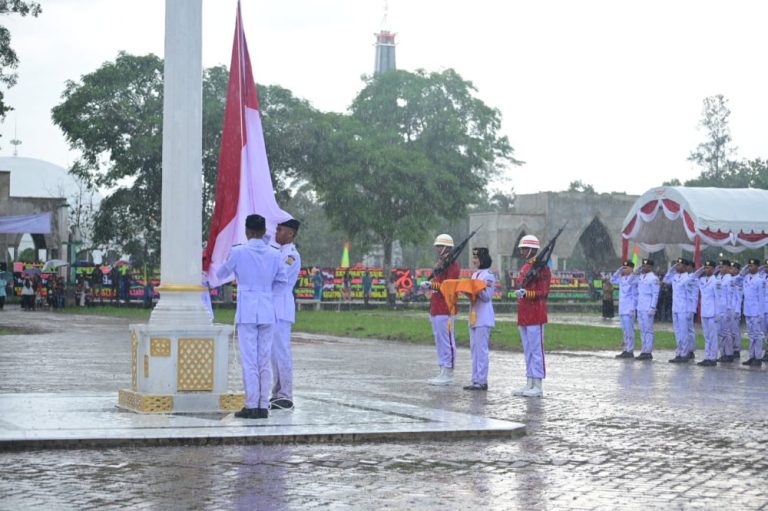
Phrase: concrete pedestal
(177, 369)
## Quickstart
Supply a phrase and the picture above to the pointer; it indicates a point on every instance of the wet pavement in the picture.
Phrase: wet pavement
(608, 434)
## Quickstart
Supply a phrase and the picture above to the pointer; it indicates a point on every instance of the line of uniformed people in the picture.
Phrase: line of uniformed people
(725, 291)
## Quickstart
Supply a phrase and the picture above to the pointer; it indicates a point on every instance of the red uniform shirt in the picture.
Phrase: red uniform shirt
(437, 305)
(532, 309)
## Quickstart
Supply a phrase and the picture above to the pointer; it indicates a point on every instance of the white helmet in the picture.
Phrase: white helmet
(529, 241)
(444, 240)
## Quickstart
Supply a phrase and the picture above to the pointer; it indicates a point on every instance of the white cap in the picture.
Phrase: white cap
(444, 240)
(529, 241)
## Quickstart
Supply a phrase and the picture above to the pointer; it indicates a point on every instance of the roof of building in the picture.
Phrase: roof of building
(31, 177)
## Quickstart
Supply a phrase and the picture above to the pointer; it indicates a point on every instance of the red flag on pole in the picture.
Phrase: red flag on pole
(244, 183)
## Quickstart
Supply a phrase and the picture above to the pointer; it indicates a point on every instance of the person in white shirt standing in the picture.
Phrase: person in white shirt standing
(678, 278)
(710, 291)
(257, 267)
(764, 272)
(752, 284)
(481, 319)
(285, 316)
(627, 282)
(737, 301)
(693, 307)
(647, 298)
(723, 308)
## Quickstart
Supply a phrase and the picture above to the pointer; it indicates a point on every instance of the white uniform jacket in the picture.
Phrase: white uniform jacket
(285, 308)
(724, 294)
(693, 293)
(710, 292)
(483, 306)
(680, 289)
(647, 292)
(627, 291)
(257, 267)
(754, 296)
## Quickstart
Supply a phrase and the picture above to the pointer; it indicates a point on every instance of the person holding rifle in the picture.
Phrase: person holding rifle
(533, 289)
(442, 321)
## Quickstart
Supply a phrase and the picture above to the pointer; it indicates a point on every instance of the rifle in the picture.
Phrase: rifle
(542, 258)
(451, 256)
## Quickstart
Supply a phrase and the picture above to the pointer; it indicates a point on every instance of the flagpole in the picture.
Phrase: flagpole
(180, 360)
(181, 238)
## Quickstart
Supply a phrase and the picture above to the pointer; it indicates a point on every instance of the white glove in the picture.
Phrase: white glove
(425, 285)
(520, 293)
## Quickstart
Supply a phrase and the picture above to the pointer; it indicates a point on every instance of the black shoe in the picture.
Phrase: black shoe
(748, 362)
(625, 354)
(246, 413)
(678, 360)
(644, 356)
(281, 404)
(261, 413)
(757, 363)
(476, 386)
(707, 363)
(691, 355)
(737, 354)
(726, 358)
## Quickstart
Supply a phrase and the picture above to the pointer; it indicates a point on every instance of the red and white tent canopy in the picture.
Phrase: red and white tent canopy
(731, 218)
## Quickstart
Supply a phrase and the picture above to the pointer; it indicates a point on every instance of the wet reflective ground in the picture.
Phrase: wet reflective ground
(608, 435)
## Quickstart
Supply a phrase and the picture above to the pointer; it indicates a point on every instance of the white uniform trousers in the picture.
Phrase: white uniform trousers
(255, 346)
(628, 328)
(765, 326)
(445, 340)
(691, 332)
(282, 361)
(736, 331)
(724, 333)
(645, 322)
(755, 335)
(478, 346)
(532, 337)
(680, 326)
(709, 326)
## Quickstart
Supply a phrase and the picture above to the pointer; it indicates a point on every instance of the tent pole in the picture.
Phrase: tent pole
(697, 250)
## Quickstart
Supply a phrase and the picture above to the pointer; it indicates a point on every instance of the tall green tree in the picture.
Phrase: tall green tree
(714, 155)
(9, 61)
(113, 118)
(416, 148)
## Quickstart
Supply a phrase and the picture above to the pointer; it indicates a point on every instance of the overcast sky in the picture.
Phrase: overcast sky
(607, 92)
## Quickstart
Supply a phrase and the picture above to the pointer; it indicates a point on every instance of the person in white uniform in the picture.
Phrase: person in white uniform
(678, 278)
(752, 283)
(764, 272)
(647, 298)
(693, 307)
(285, 316)
(626, 279)
(481, 319)
(737, 303)
(257, 267)
(710, 291)
(723, 307)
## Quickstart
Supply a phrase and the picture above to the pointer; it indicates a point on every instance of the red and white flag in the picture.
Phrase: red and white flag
(244, 183)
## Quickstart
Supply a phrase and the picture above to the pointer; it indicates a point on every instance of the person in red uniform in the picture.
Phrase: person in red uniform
(442, 321)
(532, 316)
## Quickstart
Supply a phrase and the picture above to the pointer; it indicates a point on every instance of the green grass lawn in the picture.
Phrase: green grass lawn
(415, 327)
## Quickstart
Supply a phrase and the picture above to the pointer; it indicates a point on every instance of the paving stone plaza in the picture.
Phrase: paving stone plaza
(608, 434)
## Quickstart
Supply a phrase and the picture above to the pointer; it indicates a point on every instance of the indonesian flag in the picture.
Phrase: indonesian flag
(244, 183)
